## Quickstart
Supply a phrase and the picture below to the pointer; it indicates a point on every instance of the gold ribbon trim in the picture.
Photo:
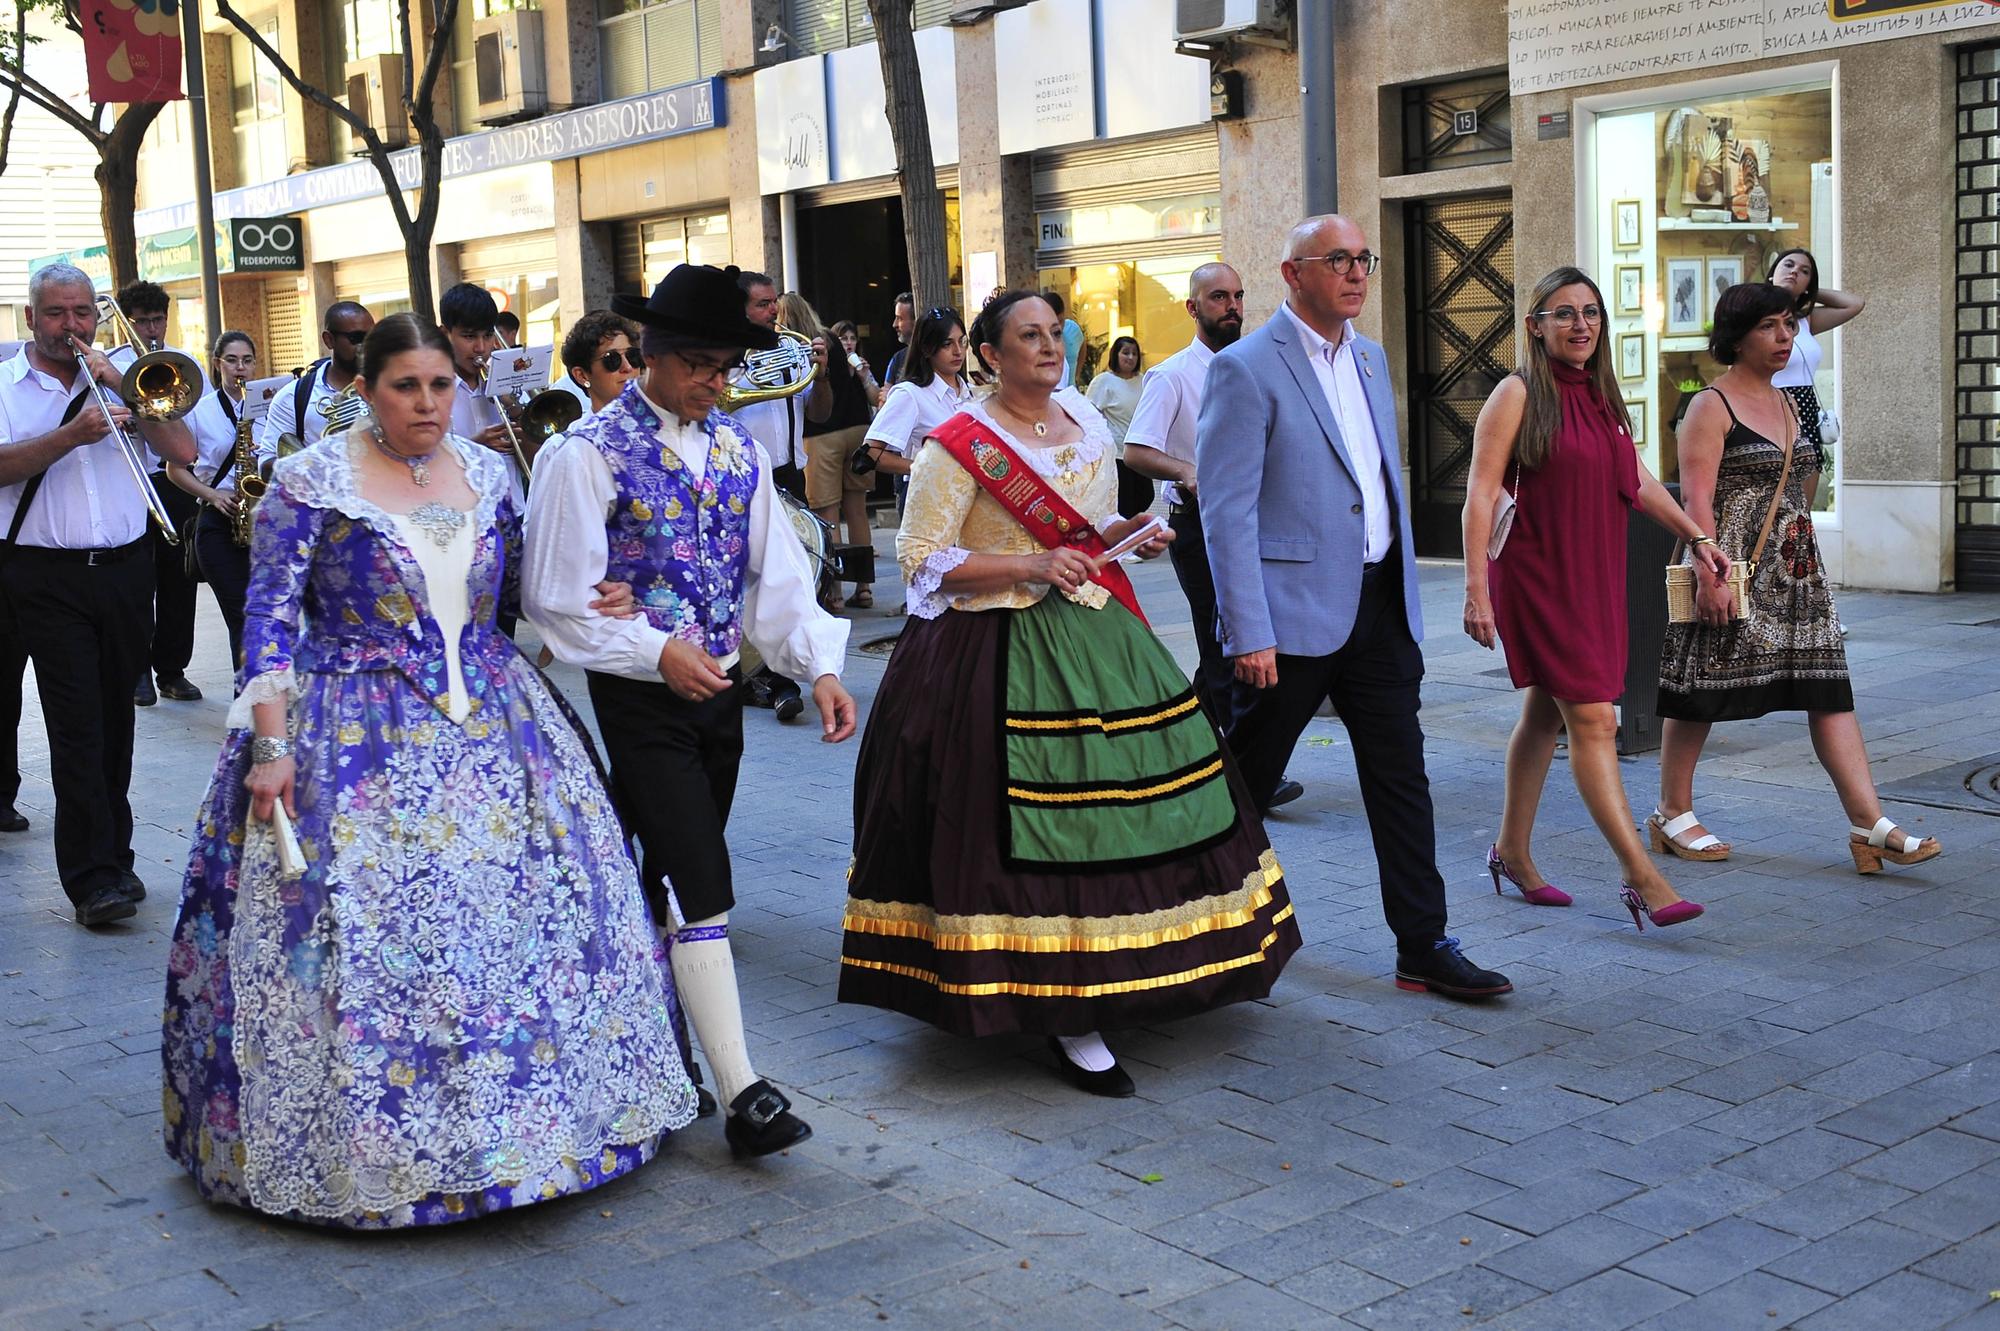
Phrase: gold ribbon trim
(1115, 792)
(1096, 722)
(989, 989)
(1071, 933)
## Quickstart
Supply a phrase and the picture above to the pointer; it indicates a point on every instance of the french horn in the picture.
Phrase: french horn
(785, 370)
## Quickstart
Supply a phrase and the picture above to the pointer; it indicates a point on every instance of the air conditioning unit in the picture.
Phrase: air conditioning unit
(375, 93)
(508, 66)
(1217, 20)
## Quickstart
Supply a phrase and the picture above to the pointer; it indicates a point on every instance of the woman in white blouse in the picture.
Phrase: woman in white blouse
(931, 391)
(225, 565)
(1116, 393)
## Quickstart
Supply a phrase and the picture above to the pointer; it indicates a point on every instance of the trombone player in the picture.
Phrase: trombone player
(469, 318)
(76, 575)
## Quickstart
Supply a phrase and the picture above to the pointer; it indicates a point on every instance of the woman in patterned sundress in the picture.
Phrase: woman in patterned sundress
(1785, 654)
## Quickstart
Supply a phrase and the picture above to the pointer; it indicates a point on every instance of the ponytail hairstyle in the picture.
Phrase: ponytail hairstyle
(927, 338)
(221, 349)
(1543, 417)
(992, 321)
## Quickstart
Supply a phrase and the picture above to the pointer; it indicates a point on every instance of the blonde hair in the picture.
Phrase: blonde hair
(797, 314)
(1544, 412)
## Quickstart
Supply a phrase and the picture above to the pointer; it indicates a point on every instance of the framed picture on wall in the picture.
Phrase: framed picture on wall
(1631, 355)
(1625, 230)
(1724, 272)
(1687, 309)
(1630, 287)
(1635, 408)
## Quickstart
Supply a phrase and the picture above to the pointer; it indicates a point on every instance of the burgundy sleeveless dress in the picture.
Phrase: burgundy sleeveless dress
(1558, 588)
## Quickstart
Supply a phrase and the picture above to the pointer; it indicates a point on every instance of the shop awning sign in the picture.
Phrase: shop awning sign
(268, 244)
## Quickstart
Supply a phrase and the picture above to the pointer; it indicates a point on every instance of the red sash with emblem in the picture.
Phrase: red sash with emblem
(1030, 500)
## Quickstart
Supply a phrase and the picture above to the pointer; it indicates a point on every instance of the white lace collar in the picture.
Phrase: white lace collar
(1060, 459)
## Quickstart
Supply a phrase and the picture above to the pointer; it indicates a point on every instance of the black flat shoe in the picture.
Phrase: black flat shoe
(129, 884)
(761, 1122)
(1287, 791)
(1112, 1083)
(143, 695)
(704, 1103)
(1443, 969)
(180, 689)
(104, 905)
(789, 707)
(11, 819)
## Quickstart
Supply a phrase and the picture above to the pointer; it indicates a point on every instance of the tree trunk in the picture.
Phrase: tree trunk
(909, 128)
(423, 222)
(118, 189)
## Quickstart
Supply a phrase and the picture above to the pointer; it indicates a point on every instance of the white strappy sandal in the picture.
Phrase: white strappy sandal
(1871, 847)
(1667, 833)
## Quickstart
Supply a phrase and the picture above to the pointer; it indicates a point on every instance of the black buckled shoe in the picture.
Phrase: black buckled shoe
(1113, 1083)
(180, 689)
(761, 1122)
(103, 905)
(143, 694)
(1443, 969)
(11, 819)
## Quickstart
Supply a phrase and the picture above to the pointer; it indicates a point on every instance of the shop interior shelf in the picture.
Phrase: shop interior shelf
(1688, 224)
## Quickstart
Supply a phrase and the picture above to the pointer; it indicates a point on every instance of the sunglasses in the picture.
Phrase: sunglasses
(611, 360)
(353, 339)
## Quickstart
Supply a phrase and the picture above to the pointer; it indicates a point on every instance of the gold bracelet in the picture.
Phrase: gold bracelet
(1693, 541)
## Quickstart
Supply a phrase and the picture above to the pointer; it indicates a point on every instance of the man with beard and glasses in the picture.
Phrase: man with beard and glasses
(343, 329)
(1160, 444)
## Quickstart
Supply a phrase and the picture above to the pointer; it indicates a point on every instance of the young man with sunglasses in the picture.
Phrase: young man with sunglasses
(345, 326)
(665, 490)
(600, 354)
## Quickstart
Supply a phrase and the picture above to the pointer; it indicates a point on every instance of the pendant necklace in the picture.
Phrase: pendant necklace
(419, 464)
(1041, 427)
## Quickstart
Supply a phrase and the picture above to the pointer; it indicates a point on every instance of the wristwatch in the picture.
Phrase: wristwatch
(269, 748)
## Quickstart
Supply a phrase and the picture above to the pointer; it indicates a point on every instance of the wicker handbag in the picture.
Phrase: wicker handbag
(1681, 577)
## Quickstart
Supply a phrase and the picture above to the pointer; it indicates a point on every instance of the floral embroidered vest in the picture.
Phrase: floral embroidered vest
(682, 544)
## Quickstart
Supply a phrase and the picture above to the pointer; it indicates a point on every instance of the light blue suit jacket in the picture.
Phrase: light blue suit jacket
(1280, 507)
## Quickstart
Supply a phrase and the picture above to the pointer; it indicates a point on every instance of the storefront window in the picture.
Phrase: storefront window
(1691, 198)
(257, 107)
(532, 296)
(677, 240)
(1142, 298)
(658, 45)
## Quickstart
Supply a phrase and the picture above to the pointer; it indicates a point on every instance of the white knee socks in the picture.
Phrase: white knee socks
(1087, 1052)
(705, 974)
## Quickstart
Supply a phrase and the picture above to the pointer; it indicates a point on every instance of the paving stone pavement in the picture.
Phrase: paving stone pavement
(1784, 1115)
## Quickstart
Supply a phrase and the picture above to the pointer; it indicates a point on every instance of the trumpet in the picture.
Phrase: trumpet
(157, 386)
(783, 371)
(507, 422)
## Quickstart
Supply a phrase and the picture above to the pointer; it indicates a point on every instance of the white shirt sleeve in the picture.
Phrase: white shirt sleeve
(1153, 418)
(282, 418)
(565, 556)
(896, 418)
(781, 612)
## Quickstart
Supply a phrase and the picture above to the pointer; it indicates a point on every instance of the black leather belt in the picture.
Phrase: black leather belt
(89, 558)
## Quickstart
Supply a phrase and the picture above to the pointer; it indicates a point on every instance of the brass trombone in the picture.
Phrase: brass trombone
(507, 421)
(548, 413)
(157, 386)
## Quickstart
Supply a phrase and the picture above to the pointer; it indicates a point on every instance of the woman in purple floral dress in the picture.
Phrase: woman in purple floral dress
(457, 1006)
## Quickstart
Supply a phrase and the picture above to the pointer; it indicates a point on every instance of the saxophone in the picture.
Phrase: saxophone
(250, 483)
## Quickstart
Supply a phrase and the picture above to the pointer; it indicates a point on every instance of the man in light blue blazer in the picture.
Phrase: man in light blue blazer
(1308, 536)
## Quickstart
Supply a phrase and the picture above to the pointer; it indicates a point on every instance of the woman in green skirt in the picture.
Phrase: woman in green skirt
(1049, 836)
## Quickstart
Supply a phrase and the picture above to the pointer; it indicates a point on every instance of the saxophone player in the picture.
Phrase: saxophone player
(219, 455)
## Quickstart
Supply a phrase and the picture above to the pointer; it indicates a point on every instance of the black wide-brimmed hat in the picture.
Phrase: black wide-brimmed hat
(702, 304)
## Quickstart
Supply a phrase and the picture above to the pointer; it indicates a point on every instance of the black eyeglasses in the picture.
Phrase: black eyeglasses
(708, 371)
(1340, 261)
(611, 360)
(354, 339)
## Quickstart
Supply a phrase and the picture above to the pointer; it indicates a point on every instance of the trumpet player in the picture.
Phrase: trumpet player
(225, 565)
(76, 578)
(145, 305)
(301, 412)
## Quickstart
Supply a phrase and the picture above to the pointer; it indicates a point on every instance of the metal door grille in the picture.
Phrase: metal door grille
(1978, 336)
(1461, 320)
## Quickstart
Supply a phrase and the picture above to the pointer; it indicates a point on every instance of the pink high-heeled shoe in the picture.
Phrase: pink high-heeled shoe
(1550, 895)
(1678, 913)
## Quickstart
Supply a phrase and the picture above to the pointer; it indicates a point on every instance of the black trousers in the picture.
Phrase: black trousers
(87, 628)
(673, 777)
(1135, 492)
(173, 591)
(13, 669)
(1215, 681)
(225, 565)
(1375, 681)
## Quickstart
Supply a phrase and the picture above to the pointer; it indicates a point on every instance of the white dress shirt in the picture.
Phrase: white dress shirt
(214, 440)
(88, 499)
(282, 418)
(568, 549)
(912, 411)
(1170, 405)
(779, 425)
(1340, 380)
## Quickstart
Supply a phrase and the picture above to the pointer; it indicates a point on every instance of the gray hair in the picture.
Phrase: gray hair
(57, 275)
(1304, 237)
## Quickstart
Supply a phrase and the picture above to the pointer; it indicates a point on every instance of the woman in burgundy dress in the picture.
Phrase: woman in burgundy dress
(1554, 436)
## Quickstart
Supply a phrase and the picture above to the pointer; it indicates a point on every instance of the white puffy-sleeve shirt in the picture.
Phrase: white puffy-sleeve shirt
(569, 546)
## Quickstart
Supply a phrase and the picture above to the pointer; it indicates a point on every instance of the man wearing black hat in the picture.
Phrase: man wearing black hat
(664, 491)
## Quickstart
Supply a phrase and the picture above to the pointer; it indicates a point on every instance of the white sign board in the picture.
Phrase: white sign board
(1147, 89)
(518, 369)
(1565, 43)
(1043, 58)
(862, 144)
(792, 139)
